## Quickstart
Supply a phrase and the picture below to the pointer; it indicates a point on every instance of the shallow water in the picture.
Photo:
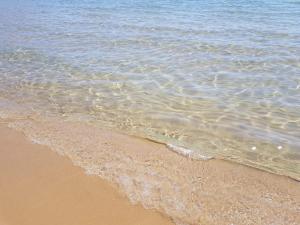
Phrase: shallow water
(219, 77)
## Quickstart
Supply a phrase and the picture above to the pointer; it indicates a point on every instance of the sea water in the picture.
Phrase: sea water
(213, 78)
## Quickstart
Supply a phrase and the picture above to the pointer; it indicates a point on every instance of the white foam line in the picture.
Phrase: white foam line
(187, 152)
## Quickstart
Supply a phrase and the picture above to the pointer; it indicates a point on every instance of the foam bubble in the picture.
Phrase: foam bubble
(187, 152)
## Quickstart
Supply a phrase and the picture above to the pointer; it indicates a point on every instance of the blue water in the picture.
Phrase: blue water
(219, 77)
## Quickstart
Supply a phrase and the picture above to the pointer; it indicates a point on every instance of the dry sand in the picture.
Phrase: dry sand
(39, 187)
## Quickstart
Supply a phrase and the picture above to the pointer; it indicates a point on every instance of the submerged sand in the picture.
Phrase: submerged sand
(189, 191)
(39, 187)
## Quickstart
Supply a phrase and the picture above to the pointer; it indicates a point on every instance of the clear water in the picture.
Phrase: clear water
(219, 77)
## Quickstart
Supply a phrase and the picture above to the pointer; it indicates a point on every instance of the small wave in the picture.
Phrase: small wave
(187, 152)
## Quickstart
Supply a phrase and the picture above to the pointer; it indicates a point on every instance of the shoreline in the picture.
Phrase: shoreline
(38, 186)
(184, 152)
(189, 191)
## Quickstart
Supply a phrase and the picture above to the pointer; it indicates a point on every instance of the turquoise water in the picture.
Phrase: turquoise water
(219, 77)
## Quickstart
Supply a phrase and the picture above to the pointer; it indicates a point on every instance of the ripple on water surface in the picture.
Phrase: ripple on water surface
(219, 78)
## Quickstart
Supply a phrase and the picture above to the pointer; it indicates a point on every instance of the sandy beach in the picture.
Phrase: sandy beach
(39, 187)
(149, 112)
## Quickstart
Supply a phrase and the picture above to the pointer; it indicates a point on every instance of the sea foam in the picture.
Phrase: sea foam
(187, 152)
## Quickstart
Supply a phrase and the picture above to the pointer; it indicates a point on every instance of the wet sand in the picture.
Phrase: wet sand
(42, 186)
(39, 187)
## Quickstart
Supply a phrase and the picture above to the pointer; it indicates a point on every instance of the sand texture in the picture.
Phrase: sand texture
(39, 187)
(189, 191)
